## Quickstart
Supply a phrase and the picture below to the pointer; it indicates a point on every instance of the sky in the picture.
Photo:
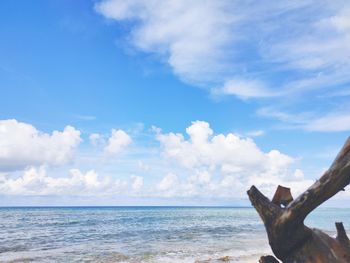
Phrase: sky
(153, 102)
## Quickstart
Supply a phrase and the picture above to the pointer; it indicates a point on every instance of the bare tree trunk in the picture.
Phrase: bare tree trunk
(289, 238)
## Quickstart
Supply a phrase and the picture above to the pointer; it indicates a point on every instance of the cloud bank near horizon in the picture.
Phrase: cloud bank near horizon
(199, 163)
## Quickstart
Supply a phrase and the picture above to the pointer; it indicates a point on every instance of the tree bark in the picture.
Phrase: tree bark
(292, 241)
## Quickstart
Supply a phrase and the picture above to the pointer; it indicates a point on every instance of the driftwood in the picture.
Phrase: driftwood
(282, 196)
(268, 259)
(292, 241)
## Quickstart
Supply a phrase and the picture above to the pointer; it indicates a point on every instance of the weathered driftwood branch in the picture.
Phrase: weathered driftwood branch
(289, 238)
(341, 234)
(282, 196)
(268, 259)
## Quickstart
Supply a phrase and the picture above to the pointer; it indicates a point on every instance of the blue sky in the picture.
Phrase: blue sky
(96, 97)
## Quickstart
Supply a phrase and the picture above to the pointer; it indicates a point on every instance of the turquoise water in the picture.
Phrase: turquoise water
(140, 234)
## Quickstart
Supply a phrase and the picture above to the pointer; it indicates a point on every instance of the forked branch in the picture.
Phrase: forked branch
(289, 238)
(334, 180)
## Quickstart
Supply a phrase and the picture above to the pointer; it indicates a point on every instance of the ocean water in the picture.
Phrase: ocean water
(141, 234)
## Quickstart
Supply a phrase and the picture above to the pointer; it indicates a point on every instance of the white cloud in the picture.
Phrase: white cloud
(95, 138)
(191, 36)
(201, 177)
(36, 181)
(22, 145)
(311, 49)
(168, 183)
(137, 182)
(117, 142)
(298, 174)
(341, 21)
(242, 46)
(245, 89)
(199, 163)
(220, 150)
(223, 165)
(255, 133)
(143, 166)
(335, 121)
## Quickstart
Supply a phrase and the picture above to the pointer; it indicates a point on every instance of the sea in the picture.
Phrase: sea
(141, 234)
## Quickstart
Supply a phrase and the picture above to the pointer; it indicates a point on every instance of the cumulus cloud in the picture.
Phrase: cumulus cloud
(201, 177)
(224, 165)
(169, 181)
(22, 145)
(36, 181)
(168, 186)
(136, 182)
(198, 163)
(117, 142)
(227, 152)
